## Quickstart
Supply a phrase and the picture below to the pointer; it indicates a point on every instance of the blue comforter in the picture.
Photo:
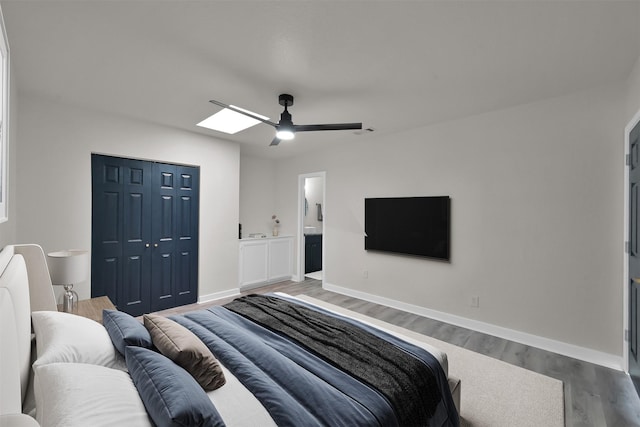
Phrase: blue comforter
(276, 355)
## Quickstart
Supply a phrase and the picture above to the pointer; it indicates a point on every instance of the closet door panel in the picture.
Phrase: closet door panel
(121, 258)
(187, 197)
(107, 218)
(163, 231)
(135, 286)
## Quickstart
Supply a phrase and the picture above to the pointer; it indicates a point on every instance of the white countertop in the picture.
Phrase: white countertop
(244, 239)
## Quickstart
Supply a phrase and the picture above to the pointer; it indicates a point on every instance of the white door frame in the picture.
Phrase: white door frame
(625, 266)
(301, 180)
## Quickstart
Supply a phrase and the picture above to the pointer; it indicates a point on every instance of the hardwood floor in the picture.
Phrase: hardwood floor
(594, 395)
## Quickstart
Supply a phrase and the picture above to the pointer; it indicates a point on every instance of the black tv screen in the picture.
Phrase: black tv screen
(408, 225)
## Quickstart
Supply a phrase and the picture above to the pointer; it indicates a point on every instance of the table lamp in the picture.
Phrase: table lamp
(66, 268)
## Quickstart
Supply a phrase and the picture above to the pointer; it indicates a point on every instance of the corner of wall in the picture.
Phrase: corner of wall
(257, 194)
(633, 91)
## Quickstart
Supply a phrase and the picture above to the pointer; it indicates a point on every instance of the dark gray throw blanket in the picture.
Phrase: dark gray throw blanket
(411, 386)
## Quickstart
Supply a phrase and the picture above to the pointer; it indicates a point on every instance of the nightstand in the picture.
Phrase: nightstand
(92, 308)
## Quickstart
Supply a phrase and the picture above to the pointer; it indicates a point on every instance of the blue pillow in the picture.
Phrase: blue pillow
(125, 330)
(170, 394)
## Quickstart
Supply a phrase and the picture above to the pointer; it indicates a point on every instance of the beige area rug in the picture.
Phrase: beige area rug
(494, 393)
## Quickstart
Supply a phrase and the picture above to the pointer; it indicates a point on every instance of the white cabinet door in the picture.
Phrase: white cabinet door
(265, 261)
(280, 258)
(254, 262)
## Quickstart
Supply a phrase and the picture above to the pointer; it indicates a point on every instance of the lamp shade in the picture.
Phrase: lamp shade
(69, 266)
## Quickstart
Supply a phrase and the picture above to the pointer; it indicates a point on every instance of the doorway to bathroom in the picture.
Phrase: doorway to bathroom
(311, 202)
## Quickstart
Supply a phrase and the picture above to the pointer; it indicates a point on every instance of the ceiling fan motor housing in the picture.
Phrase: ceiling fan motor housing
(285, 123)
(285, 118)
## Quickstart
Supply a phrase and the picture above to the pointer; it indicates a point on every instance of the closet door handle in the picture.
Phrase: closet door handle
(147, 245)
(636, 279)
(155, 245)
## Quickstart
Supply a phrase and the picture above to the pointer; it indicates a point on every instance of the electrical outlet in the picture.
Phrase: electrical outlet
(474, 302)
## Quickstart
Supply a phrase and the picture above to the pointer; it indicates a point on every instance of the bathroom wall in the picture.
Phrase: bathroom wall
(314, 192)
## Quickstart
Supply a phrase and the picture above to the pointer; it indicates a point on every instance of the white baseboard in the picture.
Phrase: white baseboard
(582, 353)
(218, 295)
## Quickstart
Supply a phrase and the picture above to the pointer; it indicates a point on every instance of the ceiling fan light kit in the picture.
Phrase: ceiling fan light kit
(285, 129)
(285, 134)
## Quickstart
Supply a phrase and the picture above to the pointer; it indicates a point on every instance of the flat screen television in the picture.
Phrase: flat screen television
(418, 226)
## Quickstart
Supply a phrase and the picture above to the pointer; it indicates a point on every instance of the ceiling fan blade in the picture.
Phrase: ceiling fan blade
(332, 126)
(241, 111)
(275, 142)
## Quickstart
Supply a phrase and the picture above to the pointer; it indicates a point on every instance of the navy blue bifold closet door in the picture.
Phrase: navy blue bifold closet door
(144, 233)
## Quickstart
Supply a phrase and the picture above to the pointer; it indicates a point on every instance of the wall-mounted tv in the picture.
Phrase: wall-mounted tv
(418, 226)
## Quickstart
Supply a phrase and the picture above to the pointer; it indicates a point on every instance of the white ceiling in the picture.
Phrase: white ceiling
(390, 64)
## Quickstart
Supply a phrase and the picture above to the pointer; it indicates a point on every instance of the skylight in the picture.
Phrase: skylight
(229, 121)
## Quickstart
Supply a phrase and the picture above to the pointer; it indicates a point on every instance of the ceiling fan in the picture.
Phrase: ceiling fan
(285, 129)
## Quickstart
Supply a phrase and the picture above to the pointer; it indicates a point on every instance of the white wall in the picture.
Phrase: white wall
(633, 91)
(257, 195)
(536, 216)
(54, 180)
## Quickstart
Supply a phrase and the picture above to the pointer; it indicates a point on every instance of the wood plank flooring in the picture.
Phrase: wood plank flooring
(594, 395)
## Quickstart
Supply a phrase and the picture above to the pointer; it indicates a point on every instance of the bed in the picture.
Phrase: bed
(260, 360)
